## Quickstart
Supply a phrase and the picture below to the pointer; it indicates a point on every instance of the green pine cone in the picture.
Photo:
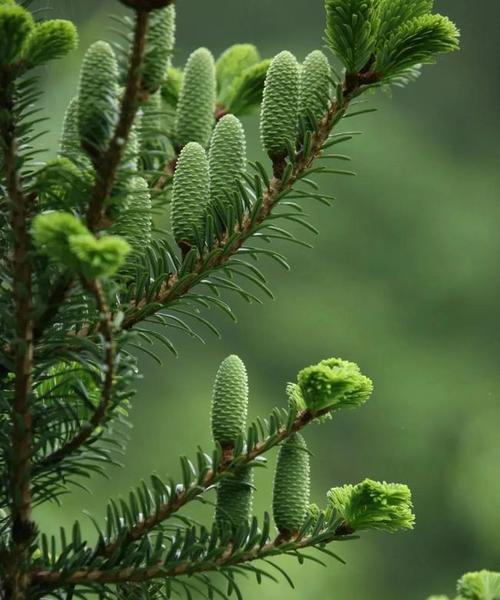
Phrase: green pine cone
(69, 145)
(151, 124)
(190, 194)
(291, 486)
(16, 23)
(97, 97)
(50, 40)
(280, 104)
(196, 106)
(482, 585)
(234, 500)
(159, 46)
(230, 65)
(134, 221)
(230, 401)
(227, 158)
(315, 86)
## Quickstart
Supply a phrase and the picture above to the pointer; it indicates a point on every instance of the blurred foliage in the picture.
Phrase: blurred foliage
(403, 278)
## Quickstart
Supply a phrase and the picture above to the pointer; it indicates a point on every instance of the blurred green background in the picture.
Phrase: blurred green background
(403, 280)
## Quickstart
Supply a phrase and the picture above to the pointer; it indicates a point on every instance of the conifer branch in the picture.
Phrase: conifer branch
(231, 464)
(107, 164)
(170, 292)
(102, 409)
(20, 470)
(188, 568)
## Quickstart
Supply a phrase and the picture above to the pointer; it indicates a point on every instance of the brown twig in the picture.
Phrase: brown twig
(23, 528)
(108, 162)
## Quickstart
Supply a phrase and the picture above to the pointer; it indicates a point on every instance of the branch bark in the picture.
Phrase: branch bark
(23, 528)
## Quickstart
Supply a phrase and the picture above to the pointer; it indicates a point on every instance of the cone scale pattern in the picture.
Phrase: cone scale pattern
(234, 500)
(314, 85)
(291, 486)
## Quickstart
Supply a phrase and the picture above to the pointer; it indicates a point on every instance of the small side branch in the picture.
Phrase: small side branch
(101, 412)
(108, 163)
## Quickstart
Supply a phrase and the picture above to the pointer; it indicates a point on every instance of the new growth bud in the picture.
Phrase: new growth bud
(334, 383)
(482, 585)
(227, 159)
(373, 505)
(291, 488)
(196, 106)
(230, 65)
(190, 194)
(280, 105)
(50, 40)
(16, 23)
(230, 401)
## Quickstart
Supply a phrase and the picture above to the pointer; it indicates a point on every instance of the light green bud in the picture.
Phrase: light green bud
(481, 585)
(16, 23)
(52, 232)
(50, 40)
(98, 257)
(291, 490)
(280, 105)
(196, 106)
(373, 505)
(333, 383)
(230, 65)
(245, 95)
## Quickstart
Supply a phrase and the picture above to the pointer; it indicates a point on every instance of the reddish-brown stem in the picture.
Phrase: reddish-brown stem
(20, 468)
(107, 164)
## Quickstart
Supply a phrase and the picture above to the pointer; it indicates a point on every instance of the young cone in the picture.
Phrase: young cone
(234, 500)
(97, 98)
(315, 85)
(196, 106)
(190, 195)
(291, 489)
(159, 46)
(230, 401)
(280, 105)
(134, 220)
(227, 158)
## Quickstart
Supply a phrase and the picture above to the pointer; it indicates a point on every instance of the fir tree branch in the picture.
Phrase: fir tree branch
(20, 476)
(231, 464)
(102, 409)
(187, 568)
(170, 292)
(107, 164)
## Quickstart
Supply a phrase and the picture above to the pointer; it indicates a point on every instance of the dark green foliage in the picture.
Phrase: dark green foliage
(280, 105)
(230, 401)
(196, 106)
(350, 31)
(160, 43)
(234, 501)
(97, 97)
(391, 14)
(291, 489)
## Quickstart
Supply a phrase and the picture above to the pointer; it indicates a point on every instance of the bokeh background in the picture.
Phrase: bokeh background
(403, 280)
